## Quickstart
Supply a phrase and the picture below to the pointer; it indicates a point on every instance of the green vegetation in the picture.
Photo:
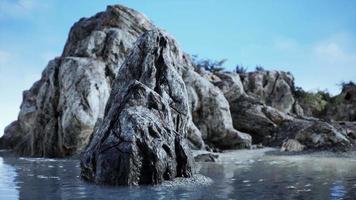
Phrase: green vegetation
(240, 69)
(316, 101)
(259, 68)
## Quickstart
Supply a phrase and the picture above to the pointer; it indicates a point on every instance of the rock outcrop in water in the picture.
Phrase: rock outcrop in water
(59, 112)
(142, 138)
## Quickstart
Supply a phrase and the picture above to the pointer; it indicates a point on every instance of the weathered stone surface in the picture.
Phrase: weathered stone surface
(274, 88)
(60, 110)
(270, 126)
(292, 145)
(211, 114)
(142, 139)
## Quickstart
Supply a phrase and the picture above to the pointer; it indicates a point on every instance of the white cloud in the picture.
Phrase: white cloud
(322, 64)
(337, 51)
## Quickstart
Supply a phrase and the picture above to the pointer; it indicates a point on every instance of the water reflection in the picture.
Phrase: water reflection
(337, 191)
(8, 187)
(242, 175)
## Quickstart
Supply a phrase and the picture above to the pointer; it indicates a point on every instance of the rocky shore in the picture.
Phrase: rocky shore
(132, 104)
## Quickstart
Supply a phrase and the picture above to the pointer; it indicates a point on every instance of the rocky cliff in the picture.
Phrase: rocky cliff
(59, 112)
(270, 125)
(222, 110)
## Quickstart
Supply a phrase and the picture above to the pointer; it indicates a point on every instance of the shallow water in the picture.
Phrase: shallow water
(237, 175)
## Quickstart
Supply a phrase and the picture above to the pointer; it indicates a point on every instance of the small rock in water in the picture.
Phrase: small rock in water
(208, 157)
(292, 145)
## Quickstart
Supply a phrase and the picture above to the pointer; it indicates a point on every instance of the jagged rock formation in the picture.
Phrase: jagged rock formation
(60, 110)
(270, 126)
(274, 88)
(211, 114)
(142, 137)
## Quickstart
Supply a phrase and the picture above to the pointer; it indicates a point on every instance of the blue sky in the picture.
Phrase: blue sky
(315, 40)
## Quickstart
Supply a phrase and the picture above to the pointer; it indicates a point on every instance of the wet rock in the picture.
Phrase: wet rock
(59, 112)
(292, 145)
(206, 157)
(142, 139)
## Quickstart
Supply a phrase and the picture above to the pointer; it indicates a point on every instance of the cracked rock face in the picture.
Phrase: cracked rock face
(274, 88)
(211, 114)
(59, 112)
(271, 127)
(142, 138)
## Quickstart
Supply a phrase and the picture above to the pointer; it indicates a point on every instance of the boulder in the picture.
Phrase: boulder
(292, 145)
(142, 138)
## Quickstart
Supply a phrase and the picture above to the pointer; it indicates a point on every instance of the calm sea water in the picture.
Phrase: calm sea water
(239, 175)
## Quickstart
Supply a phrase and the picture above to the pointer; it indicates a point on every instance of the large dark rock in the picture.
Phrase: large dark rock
(142, 138)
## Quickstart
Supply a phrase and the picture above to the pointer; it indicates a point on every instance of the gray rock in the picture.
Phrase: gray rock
(270, 126)
(292, 145)
(59, 112)
(211, 114)
(274, 88)
(348, 127)
(142, 138)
